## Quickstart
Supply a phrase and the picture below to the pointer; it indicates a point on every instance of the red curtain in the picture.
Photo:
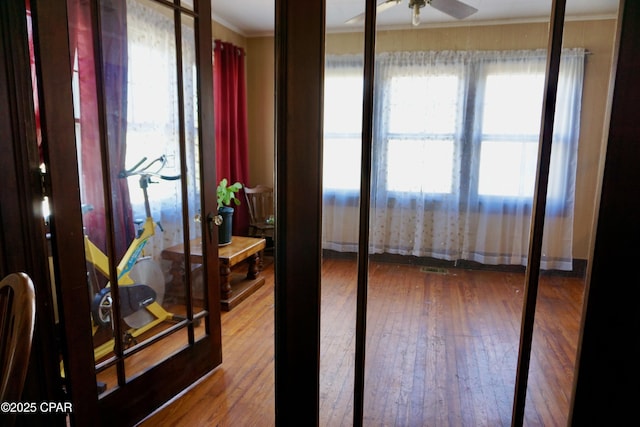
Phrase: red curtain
(34, 78)
(114, 44)
(113, 22)
(230, 107)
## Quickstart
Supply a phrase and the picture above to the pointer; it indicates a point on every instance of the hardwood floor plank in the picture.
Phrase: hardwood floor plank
(337, 332)
(441, 350)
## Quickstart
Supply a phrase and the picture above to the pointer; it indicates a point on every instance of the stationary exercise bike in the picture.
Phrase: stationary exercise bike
(140, 279)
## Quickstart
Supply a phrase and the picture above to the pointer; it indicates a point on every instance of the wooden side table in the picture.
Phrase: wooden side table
(234, 287)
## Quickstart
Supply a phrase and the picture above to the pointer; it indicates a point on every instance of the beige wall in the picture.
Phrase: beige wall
(596, 36)
(261, 117)
(220, 32)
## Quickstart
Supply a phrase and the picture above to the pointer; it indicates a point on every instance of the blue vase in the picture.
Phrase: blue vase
(225, 229)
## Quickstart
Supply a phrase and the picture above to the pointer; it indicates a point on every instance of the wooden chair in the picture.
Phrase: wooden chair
(260, 204)
(17, 321)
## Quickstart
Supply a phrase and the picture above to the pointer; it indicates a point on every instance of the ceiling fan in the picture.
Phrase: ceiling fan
(454, 8)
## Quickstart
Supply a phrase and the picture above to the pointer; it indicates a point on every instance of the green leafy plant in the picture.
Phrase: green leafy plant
(227, 193)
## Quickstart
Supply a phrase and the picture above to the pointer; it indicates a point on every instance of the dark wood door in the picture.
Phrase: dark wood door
(22, 242)
(126, 108)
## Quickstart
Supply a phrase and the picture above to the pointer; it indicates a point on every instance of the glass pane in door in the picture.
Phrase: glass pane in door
(585, 70)
(138, 147)
(448, 246)
(198, 292)
(157, 129)
(342, 151)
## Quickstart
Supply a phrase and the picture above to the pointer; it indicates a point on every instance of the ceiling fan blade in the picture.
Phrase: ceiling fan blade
(454, 8)
(380, 8)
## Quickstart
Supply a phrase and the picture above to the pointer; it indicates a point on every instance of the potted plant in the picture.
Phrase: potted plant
(226, 195)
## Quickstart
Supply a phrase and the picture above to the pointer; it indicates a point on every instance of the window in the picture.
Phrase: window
(511, 111)
(467, 127)
(455, 152)
(421, 138)
(153, 111)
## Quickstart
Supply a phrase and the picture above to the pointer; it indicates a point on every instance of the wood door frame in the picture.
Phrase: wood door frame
(299, 52)
(145, 393)
(22, 237)
(607, 366)
(66, 220)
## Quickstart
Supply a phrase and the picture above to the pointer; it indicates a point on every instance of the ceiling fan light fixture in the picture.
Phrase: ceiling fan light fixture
(454, 8)
(415, 6)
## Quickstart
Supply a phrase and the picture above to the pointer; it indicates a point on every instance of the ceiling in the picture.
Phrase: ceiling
(256, 17)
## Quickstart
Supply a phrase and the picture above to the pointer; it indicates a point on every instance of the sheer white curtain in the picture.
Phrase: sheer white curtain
(509, 101)
(153, 123)
(341, 152)
(420, 103)
(455, 153)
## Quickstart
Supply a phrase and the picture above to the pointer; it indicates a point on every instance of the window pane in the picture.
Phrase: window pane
(424, 166)
(147, 103)
(342, 104)
(507, 168)
(513, 104)
(425, 104)
(341, 164)
(342, 128)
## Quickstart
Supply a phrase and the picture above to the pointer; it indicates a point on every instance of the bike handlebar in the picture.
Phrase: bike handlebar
(138, 169)
(129, 172)
(169, 177)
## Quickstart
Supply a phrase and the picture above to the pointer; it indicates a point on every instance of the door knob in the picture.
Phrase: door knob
(210, 224)
(212, 221)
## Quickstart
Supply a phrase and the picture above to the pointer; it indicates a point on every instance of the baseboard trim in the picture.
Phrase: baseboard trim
(579, 265)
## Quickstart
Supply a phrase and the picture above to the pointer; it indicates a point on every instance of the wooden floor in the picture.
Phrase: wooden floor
(441, 351)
